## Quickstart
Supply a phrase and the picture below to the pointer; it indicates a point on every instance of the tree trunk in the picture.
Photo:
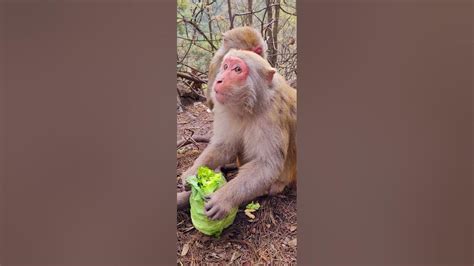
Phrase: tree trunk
(269, 34)
(250, 16)
(211, 38)
(275, 30)
(231, 19)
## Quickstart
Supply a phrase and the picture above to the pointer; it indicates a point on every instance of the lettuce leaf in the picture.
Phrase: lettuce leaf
(253, 206)
(203, 184)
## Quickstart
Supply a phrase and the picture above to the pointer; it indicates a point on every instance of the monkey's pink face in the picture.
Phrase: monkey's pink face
(233, 75)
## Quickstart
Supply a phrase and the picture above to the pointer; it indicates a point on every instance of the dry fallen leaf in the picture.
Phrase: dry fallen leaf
(205, 239)
(235, 256)
(198, 244)
(292, 243)
(185, 250)
(249, 214)
(272, 218)
(188, 229)
(293, 228)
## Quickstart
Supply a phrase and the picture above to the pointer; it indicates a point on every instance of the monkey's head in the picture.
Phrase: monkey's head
(245, 38)
(244, 80)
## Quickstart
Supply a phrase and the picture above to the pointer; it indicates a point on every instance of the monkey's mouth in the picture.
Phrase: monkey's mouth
(220, 97)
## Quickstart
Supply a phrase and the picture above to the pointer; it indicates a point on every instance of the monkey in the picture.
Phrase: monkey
(254, 117)
(183, 199)
(244, 38)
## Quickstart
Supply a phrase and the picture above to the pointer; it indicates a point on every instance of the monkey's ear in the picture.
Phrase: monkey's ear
(269, 75)
(258, 49)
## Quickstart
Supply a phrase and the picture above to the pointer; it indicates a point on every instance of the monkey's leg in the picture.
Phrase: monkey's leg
(229, 167)
(276, 188)
(183, 199)
(286, 178)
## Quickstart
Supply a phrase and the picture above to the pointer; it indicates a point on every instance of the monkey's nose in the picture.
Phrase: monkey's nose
(219, 81)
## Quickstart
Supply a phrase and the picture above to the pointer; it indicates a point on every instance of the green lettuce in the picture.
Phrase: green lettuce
(203, 184)
(253, 206)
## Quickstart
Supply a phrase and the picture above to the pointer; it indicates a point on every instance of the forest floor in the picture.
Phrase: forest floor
(269, 239)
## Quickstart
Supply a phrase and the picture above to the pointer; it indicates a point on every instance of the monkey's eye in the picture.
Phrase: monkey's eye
(225, 66)
(238, 69)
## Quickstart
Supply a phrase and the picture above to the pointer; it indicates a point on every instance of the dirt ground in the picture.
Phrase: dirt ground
(268, 239)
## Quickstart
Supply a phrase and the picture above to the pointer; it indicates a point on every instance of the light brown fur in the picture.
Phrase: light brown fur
(243, 38)
(261, 129)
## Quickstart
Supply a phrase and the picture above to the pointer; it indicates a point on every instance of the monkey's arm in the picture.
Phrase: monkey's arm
(215, 155)
(253, 180)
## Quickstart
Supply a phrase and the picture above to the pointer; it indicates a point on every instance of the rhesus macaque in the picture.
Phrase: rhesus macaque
(243, 38)
(255, 119)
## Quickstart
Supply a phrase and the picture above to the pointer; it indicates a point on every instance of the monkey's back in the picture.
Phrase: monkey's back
(285, 107)
(291, 161)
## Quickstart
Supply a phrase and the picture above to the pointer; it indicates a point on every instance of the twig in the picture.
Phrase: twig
(289, 13)
(231, 18)
(201, 32)
(190, 77)
(192, 140)
(191, 40)
(192, 68)
(253, 11)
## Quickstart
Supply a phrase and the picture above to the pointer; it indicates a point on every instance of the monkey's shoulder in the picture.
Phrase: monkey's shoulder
(284, 87)
(284, 98)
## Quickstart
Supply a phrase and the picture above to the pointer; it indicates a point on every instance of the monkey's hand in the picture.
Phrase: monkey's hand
(219, 204)
(184, 182)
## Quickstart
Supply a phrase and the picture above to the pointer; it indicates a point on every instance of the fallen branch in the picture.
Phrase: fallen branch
(186, 141)
(190, 77)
